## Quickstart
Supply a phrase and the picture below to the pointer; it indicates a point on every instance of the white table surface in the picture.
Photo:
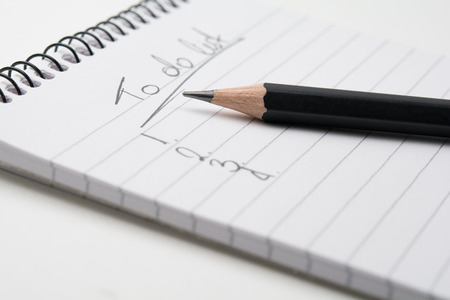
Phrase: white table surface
(57, 246)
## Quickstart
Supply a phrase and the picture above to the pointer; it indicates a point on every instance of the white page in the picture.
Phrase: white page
(319, 200)
(431, 260)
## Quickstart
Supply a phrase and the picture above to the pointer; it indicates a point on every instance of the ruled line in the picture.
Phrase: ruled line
(357, 66)
(298, 51)
(415, 238)
(264, 19)
(174, 182)
(362, 62)
(441, 272)
(386, 213)
(347, 203)
(312, 40)
(203, 123)
(337, 51)
(192, 213)
(259, 50)
(232, 69)
(434, 65)
(419, 233)
(285, 61)
(314, 188)
(175, 90)
(447, 93)
(223, 75)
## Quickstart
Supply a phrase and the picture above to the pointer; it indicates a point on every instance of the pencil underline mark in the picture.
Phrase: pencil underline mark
(264, 19)
(169, 98)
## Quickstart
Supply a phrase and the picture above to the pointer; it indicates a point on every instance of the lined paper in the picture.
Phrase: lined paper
(362, 209)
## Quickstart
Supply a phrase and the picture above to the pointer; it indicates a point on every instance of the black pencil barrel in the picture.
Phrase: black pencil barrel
(357, 110)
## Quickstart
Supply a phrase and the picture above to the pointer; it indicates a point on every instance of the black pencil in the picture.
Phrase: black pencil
(335, 108)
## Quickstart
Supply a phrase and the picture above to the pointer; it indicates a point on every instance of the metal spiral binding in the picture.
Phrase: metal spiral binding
(102, 31)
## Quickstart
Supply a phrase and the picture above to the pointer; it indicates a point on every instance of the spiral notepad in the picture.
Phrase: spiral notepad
(100, 114)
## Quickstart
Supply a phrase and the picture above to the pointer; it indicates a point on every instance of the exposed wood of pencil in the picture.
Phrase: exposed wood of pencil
(246, 99)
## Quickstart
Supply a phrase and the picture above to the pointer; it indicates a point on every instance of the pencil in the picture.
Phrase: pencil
(278, 103)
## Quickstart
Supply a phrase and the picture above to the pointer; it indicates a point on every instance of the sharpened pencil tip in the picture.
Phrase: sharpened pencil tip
(200, 95)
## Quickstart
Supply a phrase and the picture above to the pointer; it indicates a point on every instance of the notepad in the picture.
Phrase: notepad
(365, 210)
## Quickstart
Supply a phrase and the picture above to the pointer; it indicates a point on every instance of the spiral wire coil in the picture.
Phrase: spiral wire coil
(93, 37)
